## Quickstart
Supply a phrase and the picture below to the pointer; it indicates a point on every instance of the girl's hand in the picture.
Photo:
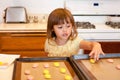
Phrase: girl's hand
(96, 51)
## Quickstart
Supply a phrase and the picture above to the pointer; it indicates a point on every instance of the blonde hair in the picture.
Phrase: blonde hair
(58, 16)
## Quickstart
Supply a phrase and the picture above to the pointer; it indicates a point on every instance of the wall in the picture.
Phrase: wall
(3, 5)
(39, 6)
(32, 6)
(76, 6)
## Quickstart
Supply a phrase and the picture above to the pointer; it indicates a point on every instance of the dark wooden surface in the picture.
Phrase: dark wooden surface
(108, 47)
(25, 44)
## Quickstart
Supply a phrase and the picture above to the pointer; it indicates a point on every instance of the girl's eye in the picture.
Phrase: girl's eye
(60, 27)
(68, 26)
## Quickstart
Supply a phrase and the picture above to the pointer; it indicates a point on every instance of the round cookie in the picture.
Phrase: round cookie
(45, 71)
(1, 63)
(68, 77)
(30, 77)
(27, 72)
(46, 65)
(92, 61)
(110, 60)
(47, 76)
(56, 64)
(35, 65)
(118, 66)
(62, 70)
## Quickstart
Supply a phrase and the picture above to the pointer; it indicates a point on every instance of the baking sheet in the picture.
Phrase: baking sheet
(23, 64)
(101, 70)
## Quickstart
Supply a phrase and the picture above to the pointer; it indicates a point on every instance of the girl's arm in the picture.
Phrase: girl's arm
(95, 48)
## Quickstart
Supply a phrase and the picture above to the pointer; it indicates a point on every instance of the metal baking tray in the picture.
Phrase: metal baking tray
(86, 56)
(87, 74)
(66, 60)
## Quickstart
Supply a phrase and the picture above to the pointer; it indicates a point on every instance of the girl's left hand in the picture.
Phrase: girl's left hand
(96, 51)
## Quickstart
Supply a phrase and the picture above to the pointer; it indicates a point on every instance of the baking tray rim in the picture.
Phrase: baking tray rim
(76, 70)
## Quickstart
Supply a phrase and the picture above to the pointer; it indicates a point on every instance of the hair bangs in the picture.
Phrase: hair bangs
(61, 19)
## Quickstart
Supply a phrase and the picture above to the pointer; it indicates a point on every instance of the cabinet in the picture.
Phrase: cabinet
(109, 47)
(23, 43)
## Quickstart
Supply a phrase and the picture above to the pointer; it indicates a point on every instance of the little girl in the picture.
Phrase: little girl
(62, 37)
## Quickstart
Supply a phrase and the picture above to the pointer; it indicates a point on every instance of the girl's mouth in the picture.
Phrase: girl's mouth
(65, 34)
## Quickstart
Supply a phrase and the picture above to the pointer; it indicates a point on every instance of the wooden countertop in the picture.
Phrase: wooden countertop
(23, 27)
(89, 34)
(41, 27)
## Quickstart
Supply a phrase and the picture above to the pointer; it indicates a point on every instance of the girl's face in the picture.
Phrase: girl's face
(63, 31)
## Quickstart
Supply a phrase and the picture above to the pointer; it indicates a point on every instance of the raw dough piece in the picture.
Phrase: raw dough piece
(118, 66)
(56, 64)
(35, 65)
(27, 72)
(1, 63)
(110, 60)
(62, 70)
(30, 77)
(46, 65)
(47, 76)
(45, 71)
(92, 61)
(68, 77)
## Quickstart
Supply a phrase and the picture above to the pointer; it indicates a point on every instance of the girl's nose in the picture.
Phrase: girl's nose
(64, 29)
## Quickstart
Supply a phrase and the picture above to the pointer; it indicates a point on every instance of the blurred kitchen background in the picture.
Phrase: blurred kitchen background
(95, 19)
